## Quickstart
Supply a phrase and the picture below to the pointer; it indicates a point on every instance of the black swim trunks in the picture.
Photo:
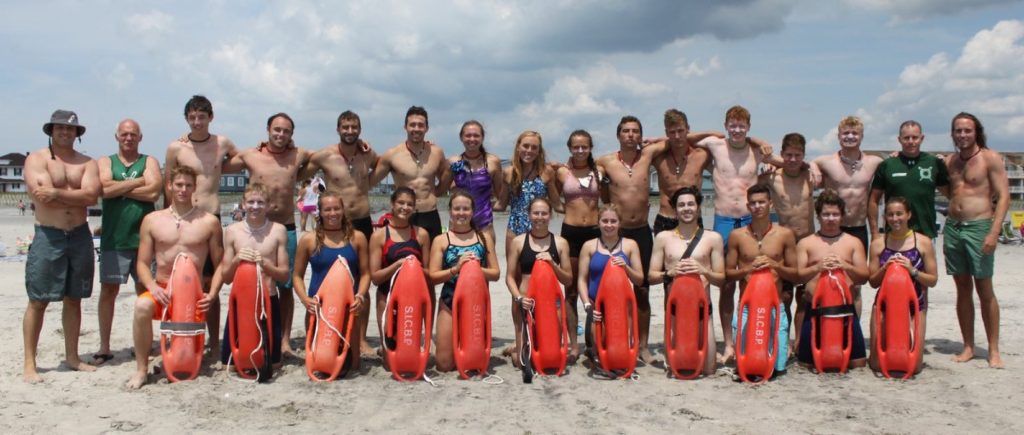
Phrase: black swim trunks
(665, 223)
(860, 232)
(643, 238)
(363, 225)
(428, 220)
(577, 236)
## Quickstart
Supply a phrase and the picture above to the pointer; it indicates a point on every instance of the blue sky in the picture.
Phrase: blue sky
(551, 66)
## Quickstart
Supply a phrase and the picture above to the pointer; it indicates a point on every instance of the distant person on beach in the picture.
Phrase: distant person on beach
(206, 153)
(276, 164)
(830, 249)
(21, 206)
(131, 186)
(301, 206)
(418, 165)
(184, 228)
(913, 175)
(689, 249)
(976, 176)
(61, 262)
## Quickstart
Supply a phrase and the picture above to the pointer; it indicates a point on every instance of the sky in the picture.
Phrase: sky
(553, 66)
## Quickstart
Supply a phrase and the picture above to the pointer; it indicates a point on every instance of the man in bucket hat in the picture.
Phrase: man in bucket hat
(62, 183)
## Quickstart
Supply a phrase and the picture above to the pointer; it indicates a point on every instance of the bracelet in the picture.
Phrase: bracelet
(519, 300)
(914, 273)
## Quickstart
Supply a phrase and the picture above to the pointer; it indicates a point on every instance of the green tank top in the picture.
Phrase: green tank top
(122, 216)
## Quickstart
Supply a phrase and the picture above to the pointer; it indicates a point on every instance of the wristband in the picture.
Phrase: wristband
(914, 273)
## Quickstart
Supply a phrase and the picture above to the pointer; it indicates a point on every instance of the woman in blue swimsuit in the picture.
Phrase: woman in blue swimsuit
(595, 255)
(334, 237)
(529, 177)
(448, 252)
(907, 248)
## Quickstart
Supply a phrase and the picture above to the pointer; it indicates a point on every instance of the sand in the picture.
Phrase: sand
(947, 397)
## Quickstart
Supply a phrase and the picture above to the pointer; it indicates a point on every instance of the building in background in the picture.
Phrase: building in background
(12, 172)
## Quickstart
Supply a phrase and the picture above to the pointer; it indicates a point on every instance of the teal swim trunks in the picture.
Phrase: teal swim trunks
(961, 246)
(782, 337)
(60, 264)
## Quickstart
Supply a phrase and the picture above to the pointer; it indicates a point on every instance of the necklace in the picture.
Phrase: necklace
(470, 230)
(962, 159)
(583, 166)
(254, 231)
(825, 236)
(854, 164)
(629, 167)
(679, 168)
(750, 228)
(416, 155)
(178, 218)
(546, 234)
(346, 159)
(208, 136)
(392, 225)
(270, 149)
(612, 248)
(679, 233)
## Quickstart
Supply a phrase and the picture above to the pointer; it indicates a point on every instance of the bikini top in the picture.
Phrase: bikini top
(574, 188)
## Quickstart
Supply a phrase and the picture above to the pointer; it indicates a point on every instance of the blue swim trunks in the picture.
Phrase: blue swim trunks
(725, 224)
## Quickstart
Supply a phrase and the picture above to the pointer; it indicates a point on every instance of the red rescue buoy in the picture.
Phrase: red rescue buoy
(249, 323)
(896, 344)
(832, 322)
(549, 335)
(687, 317)
(471, 321)
(757, 346)
(616, 335)
(329, 338)
(407, 322)
(182, 326)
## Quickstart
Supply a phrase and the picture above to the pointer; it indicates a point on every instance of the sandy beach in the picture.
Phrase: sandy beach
(946, 398)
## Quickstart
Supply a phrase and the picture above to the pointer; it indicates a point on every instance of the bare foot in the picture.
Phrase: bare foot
(726, 356)
(574, 355)
(966, 355)
(647, 357)
(136, 381)
(366, 350)
(994, 360)
(508, 350)
(80, 366)
(287, 351)
(31, 376)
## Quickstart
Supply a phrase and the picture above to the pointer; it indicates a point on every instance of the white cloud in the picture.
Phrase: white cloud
(695, 69)
(593, 93)
(120, 77)
(266, 76)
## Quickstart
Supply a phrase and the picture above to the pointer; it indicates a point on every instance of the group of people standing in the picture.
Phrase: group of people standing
(605, 202)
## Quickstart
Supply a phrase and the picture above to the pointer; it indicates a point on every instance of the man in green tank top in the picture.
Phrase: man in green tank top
(912, 174)
(131, 185)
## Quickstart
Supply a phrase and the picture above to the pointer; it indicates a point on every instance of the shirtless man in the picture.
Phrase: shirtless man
(347, 165)
(735, 159)
(849, 172)
(276, 164)
(976, 177)
(418, 165)
(261, 240)
(184, 228)
(131, 185)
(62, 183)
(792, 195)
(206, 154)
(830, 249)
(626, 173)
(679, 166)
(762, 245)
(673, 255)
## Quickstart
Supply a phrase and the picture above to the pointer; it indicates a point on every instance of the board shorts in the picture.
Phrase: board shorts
(782, 337)
(725, 224)
(665, 223)
(643, 238)
(858, 349)
(276, 334)
(364, 225)
(158, 308)
(116, 266)
(60, 264)
(860, 232)
(428, 220)
(292, 243)
(577, 236)
(962, 248)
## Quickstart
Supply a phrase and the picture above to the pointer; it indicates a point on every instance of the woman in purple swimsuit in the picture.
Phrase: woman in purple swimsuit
(907, 248)
(477, 172)
(580, 182)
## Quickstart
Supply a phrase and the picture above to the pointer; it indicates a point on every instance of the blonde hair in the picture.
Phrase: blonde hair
(346, 225)
(852, 122)
(517, 163)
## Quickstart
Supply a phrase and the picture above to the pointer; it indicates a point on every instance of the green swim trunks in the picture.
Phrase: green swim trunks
(961, 246)
(60, 264)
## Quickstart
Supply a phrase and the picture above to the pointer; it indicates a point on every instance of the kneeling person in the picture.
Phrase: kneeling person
(265, 243)
(181, 229)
